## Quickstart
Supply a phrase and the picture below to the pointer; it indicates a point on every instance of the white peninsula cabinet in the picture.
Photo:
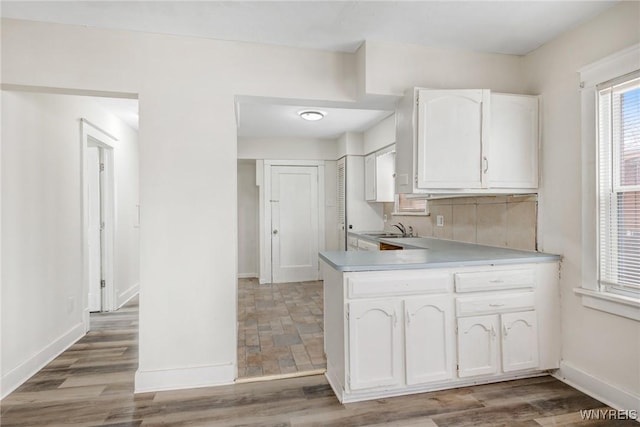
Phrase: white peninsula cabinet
(470, 141)
(396, 332)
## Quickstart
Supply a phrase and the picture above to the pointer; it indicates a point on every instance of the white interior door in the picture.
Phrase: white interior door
(95, 221)
(294, 223)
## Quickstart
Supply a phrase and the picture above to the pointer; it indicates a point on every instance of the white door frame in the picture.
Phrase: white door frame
(263, 176)
(93, 136)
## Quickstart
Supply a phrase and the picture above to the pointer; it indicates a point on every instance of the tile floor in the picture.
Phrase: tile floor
(280, 328)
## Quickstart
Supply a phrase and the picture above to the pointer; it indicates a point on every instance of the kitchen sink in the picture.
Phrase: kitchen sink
(384, 234)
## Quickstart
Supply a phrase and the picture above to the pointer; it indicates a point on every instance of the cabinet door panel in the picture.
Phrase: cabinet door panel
(385, 172)
(374, 344)
(429, 339)
(513, 145)
(519, 341)
(450, 138)
(478, 345)
(370, 177)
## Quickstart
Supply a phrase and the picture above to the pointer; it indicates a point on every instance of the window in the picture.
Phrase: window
(410, 206)
(618, 174)
(610, 267)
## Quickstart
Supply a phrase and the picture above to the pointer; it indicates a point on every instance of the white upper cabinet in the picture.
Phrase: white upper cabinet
(370, 177)
(466, 142)
(379, 172)
(513, 148)
(451, 128)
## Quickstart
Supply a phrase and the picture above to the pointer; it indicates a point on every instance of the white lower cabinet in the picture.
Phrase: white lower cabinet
(375, 353)
(429, 339)
(519, 341)
(496, 343)
(389, 333)
(477, 346)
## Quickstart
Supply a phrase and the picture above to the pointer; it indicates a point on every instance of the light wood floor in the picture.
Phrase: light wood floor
(91, 384)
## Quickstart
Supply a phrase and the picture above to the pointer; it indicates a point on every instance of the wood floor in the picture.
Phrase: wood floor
(91, 384)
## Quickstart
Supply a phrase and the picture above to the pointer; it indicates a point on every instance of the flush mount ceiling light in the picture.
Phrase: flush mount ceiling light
(312, 115)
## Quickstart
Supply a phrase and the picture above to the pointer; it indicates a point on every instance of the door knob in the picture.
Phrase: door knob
(275, 231)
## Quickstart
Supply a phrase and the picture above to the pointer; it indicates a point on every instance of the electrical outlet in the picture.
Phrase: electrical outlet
(384, 218)
(440, 220)
(71, 304)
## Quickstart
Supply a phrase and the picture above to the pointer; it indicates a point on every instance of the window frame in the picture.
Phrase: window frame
(397, 211)
(592, 294)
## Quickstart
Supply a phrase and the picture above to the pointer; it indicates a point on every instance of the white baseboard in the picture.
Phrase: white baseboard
(597, 388)
(176, 379)
(247, 275)
(125, 296)
(21, 373)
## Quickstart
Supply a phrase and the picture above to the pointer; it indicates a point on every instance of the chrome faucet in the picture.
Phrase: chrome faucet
(402, 228)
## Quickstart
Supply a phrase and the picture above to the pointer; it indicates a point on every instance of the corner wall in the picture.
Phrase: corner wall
(248, 261)
(600, 351)
(42, 283)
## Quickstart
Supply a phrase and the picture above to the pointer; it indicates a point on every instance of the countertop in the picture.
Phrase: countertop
(425, 252)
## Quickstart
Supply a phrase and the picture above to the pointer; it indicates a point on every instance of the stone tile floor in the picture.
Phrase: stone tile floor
(280, 328)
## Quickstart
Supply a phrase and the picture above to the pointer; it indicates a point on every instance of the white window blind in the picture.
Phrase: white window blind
(619, 184)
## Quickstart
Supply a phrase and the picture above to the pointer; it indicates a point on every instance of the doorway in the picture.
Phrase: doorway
(291, 220)
(294, 223)
(280, 299)
(99, 218)
(96, 240)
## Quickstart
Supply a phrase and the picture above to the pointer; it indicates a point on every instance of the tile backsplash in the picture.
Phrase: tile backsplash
(505, 221)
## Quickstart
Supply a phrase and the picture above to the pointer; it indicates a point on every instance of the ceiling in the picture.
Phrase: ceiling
(259, 117)
(509, 27)
(125, 109)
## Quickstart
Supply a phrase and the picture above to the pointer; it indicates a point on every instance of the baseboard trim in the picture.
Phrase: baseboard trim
(597, 388)
(176, 379)
(126, 296)
(20, 374)
(247, 275)
(311, 373)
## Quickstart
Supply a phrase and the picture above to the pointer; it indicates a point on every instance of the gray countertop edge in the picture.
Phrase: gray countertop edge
(441, 264)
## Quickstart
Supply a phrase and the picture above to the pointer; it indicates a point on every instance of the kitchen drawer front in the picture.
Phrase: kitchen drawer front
(390, 283)
(487, 304)
(495, 280)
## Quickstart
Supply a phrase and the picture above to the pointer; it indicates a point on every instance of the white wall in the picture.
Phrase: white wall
(287, 148)
(392, 68)
(126, 265)
(350, 143)
(42, 287)
(248, 262)
(188, 166)
(603, 346)
(380, 136)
